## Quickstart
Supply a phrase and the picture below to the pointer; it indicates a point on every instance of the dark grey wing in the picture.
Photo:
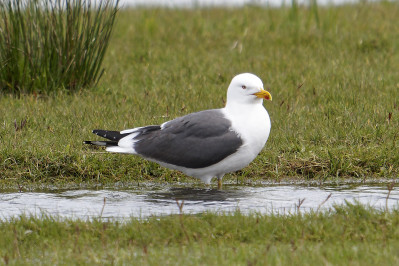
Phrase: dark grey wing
(196, 140)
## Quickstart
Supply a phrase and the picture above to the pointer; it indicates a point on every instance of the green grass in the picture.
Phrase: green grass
(342, 123)
(345, 235)
(47, 46)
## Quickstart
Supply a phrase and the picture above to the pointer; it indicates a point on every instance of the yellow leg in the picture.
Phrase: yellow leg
(220, 183)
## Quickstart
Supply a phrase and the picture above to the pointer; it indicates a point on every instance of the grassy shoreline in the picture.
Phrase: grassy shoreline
(333, 78)
(350, 234)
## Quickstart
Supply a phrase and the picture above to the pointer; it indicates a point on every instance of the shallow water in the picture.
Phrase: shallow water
(160, 200)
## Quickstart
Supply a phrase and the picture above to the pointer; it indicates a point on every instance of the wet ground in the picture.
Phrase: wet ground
(155, 200)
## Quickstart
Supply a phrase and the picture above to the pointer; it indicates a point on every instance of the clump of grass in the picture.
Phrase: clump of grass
(50, 45)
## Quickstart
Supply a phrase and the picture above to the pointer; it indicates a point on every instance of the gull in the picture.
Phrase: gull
(203, 144)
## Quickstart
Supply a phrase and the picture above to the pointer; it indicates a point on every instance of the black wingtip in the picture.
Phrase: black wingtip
(109, 134)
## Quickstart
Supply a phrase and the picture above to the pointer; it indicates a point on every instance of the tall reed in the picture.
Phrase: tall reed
(51, 45)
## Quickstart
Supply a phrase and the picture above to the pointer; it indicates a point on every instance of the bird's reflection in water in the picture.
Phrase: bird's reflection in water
(196, 195)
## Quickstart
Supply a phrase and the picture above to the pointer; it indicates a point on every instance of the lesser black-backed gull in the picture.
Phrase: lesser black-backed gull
(204, 144)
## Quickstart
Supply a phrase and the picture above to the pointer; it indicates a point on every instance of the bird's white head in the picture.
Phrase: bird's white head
(246, 88)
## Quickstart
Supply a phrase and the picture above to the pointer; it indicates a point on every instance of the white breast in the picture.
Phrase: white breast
(253, 126)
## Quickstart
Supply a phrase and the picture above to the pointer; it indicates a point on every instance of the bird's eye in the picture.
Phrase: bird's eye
(244, 87)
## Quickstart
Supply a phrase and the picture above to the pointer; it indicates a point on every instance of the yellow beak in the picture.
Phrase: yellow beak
(263, 94)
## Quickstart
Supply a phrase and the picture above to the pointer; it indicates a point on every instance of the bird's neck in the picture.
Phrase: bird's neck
(243, 107)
